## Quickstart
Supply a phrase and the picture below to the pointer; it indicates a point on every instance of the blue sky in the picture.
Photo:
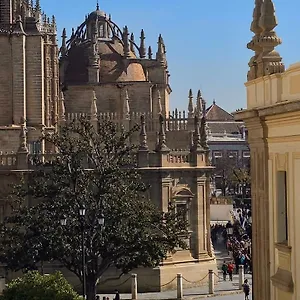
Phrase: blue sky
(205, 39)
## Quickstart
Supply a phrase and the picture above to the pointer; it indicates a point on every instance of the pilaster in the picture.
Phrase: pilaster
(18, 45)
(35, 80)
(260, 208)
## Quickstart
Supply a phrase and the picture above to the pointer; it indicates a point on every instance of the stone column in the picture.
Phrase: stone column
(133, 286)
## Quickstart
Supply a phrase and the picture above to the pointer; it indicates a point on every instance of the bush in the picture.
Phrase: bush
(34, 286)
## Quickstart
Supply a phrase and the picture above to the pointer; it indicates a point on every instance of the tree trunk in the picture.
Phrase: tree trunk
(91, 289)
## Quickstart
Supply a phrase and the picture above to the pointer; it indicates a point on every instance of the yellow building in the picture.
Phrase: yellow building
(273, 121)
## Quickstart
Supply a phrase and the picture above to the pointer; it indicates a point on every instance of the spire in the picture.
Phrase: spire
(161, 53)
(126, 108)
(63, 48)
(161, 146)
(132, 43)
(94, 110)
(142, 45)
(199, 106)
(143, 135)
(38, 6)
(150, 52)
(159, 106)
(126, 42)
(62, 109)
(191, 105)
(23, 137)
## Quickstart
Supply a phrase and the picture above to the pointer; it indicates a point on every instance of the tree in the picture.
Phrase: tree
(94, 167)
(232, 174)
(40, 287)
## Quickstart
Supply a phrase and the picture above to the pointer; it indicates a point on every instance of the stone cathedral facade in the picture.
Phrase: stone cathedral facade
(101, 71)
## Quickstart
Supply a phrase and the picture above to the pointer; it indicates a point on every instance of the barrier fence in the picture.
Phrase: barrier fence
(179, 283)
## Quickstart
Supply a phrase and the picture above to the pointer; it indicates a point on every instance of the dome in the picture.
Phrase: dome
(96, 14)
(113, 67)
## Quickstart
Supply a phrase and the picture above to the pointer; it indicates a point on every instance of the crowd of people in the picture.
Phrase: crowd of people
(237, 241)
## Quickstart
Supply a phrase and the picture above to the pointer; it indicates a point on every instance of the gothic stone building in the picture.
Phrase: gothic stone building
(103, 73)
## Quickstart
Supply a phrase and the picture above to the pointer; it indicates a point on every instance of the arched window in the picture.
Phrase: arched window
(101, 30)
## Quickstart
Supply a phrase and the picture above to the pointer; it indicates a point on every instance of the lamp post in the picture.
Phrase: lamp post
(101, 220)
(82, 221)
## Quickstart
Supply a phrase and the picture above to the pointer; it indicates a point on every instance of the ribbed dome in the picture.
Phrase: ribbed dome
(113, 67)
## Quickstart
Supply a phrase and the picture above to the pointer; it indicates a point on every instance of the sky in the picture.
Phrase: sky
(205, 39)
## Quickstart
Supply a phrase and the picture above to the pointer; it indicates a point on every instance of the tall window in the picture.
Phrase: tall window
(34, 147)
(282, 209)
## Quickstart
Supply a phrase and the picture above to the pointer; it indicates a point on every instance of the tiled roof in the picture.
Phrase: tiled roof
(229, 127)
(216, 113)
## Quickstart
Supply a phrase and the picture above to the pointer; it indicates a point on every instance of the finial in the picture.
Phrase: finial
(268, 20)
(162, 135)
(190, 105)
(143, 134)
(23, 137)
(150, 52)
(97, 5)
(63, 48)
(214, 102)
(255, 28)
(159, 102)
(161, 53)
(126, 107)
(126, 42)
(62, 109)
(94, 109)
(266, 61)
(142, 44)
(132, 43)
(38, 6)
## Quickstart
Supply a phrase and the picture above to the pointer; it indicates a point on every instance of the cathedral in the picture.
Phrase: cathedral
(103, 72)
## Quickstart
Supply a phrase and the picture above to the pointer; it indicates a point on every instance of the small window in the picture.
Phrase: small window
(232, 154)
(282, 208)
(217, 154)
(246, 154)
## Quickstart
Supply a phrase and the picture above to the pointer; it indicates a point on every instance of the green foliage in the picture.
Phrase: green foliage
(96, 168)
(34, 286)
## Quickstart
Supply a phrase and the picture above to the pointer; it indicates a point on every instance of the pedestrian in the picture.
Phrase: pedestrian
(224, 270)
(246, 289)
(230, 268)
(117, 296)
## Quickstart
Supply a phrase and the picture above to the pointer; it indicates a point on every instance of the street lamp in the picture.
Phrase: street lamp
(82, 221)
(63, 222)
